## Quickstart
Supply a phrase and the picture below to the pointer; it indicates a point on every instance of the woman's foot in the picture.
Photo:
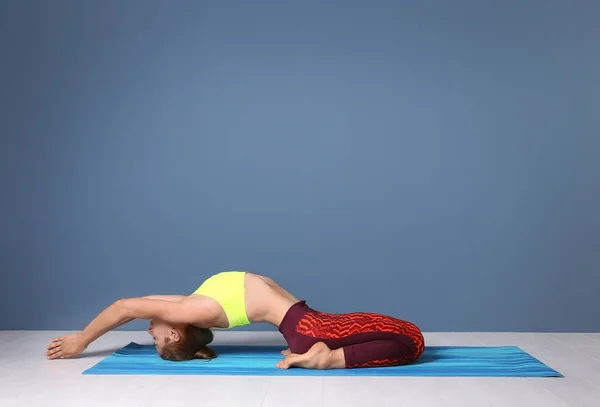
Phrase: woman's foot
(319, 356)
(286, 352)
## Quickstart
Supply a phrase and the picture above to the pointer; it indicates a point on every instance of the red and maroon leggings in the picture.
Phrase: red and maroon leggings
(368, 340)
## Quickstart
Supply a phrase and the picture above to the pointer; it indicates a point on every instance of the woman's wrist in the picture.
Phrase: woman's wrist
(84, 338)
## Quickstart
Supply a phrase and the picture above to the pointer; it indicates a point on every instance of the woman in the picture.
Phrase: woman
(180, 326)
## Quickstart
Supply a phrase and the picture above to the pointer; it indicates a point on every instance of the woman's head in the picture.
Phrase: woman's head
(181, 342)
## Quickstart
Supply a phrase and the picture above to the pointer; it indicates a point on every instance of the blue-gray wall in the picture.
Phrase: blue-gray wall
(433, 160)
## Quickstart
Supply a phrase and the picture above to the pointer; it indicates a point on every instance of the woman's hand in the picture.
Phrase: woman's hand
(66, 346)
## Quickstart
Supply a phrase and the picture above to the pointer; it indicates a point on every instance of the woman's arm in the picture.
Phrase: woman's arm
(172, 298)
(112, 317)
(119, 313)
(74, 344)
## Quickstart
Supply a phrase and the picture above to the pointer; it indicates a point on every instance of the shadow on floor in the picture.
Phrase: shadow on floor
(97, 353)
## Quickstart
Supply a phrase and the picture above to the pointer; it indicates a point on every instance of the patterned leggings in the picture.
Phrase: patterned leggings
(368, 340)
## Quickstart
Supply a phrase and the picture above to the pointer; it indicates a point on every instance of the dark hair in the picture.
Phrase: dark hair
(192, 345)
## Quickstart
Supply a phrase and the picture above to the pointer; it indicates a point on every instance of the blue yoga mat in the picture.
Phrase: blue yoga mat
(504, 361)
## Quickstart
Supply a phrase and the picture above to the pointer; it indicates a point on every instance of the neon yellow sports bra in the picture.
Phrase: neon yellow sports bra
(228, 289)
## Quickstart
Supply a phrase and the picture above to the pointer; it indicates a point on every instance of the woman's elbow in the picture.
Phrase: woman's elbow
(123, 308)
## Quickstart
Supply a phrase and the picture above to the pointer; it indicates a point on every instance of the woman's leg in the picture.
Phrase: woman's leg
(379, 353)
(362, 339)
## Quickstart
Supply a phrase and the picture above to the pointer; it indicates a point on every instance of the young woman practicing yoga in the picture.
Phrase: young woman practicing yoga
(317, 340)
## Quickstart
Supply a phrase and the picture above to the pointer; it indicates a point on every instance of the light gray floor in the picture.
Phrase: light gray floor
(28, 379)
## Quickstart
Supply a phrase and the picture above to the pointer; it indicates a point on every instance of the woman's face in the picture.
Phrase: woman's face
(160, 331)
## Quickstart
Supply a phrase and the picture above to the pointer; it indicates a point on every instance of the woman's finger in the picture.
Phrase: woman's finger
(57, 339)
(55, 355)
(53, 345)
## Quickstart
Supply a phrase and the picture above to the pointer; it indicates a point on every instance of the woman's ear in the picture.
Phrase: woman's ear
(174, 335)
(205, 353)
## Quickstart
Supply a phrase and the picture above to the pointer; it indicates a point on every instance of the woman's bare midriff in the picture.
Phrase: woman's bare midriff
(266, 301)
